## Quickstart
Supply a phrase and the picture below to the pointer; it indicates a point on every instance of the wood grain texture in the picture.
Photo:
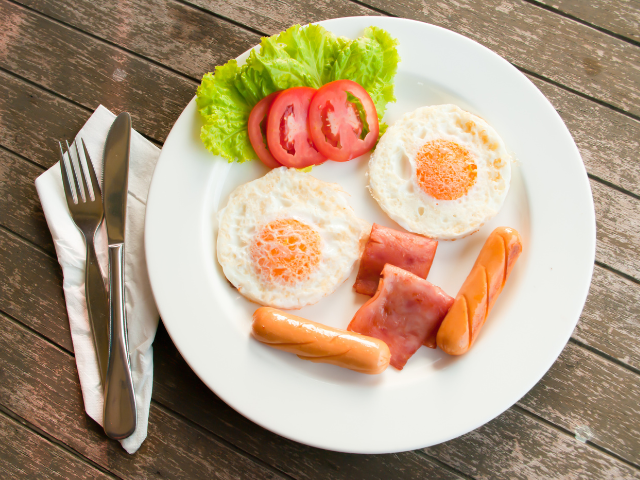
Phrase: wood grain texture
(171, 378)
(608, 141)
(272, 16)
(614, 400)
(31, 289)
(618, 229)
(617, 16)
(39, 383)
(610, 321)
(20, 209)
(32, 120)
(174, 381)
(25, 454)
(610, 308)
(90, 72)
(581, 389)
(176, 35)
(516, 446)
(539, 41)
(610, 203)
(617, 213)
(34, 297)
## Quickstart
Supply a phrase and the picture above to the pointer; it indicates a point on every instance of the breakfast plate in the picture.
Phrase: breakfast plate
(436, 397)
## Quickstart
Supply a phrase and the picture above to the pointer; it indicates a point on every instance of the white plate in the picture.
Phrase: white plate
(436, 397)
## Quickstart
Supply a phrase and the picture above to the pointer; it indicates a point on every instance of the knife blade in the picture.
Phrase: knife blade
(119, 397)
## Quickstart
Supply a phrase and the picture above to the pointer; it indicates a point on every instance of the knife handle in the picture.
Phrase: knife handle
(98, 308)
(119, 398)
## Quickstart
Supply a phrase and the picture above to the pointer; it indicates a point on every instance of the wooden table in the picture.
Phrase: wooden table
(60, 60)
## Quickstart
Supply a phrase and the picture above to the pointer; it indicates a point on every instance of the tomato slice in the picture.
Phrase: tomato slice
(258, 130)
(343, 122)
(287, 131)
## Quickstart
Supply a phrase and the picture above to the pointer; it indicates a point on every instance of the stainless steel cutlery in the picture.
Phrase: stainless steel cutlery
(85, 204)
(106, 307)
(119, 398)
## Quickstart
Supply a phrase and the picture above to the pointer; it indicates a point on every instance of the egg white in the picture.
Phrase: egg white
(289, 194)
(393, 181)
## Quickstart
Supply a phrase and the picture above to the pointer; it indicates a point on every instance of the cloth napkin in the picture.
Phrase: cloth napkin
(142, 314)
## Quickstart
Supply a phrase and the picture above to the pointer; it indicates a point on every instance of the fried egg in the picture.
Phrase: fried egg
(287, 239)
(441, 172)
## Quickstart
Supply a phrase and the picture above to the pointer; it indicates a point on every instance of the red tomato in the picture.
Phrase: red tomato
(336, 126)
(258, 129)
(287, 132)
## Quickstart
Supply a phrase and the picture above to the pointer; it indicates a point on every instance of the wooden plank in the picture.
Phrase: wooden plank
(272, 16)
(31, 289)
(51, 108)
(43, 310)
(39, 383)
(617, 16)
(177, 35)
(90, 72)
(617, 345)
(539, 41)
(612, 413)
(619, 138)
(32, 120)
(618, 229)
(25, 454)
(618, 233)
(616, 472)
(20, 209)
(610, 321)
(610, 307)
(617, 221)
(516, 446)
(605, 137)
(608, 141)
(565, 397)
(174, 384)
(174, 381)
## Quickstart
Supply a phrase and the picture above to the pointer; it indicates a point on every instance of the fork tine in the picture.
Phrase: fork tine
(87, 188)
(81, 198)
(92, 173)
(65, 177)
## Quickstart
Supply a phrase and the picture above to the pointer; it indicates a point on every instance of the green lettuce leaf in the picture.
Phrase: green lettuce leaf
(226, 113)
(310, 56)
(297, 57)
(372, 61)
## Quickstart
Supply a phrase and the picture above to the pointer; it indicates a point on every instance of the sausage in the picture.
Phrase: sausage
(479, 292)
(319, 343)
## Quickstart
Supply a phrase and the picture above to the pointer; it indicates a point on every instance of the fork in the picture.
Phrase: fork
(87, 213)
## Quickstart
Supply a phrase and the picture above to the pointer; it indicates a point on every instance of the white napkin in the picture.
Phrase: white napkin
(142, 314)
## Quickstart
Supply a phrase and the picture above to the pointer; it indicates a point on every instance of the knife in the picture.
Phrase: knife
(119, 399)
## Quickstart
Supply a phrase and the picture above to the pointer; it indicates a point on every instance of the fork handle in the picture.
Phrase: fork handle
(98, 308)
(119, 398)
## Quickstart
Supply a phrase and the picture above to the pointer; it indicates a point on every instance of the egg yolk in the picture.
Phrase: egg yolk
(286, 251)
(445, 170)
